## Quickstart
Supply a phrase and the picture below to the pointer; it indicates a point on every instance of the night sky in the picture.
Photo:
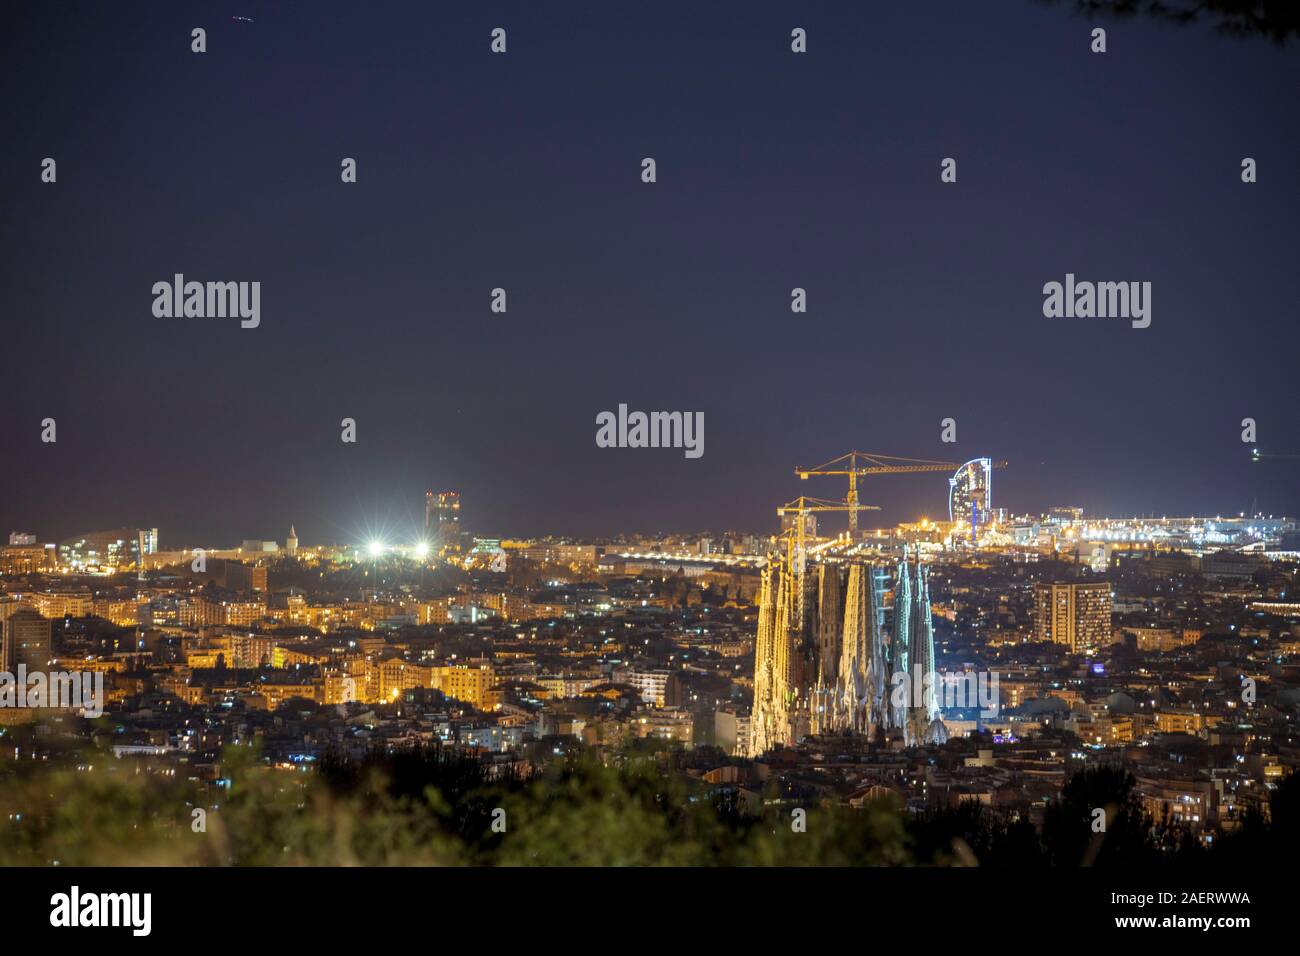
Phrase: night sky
(775, 170)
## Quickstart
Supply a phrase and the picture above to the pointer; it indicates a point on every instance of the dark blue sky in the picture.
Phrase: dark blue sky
(523, 171)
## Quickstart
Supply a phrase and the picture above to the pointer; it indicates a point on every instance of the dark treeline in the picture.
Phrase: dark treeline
(434, 807)
(468, 790)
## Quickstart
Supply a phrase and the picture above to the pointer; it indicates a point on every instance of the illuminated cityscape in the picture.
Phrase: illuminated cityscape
(751, 656)
(434, 442)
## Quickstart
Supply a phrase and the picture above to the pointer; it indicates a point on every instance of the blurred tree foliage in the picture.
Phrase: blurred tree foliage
(432, 807)
(1276, 20)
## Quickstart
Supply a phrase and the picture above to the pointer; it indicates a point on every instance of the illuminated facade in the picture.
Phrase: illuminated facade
(26, 559)
(822, 664)
(970, 499)
(62, 603)
(471, 683)
(857, 702)
(26, 641)
(442, 517)
(914, 701)
(119, 548)
(1076, 615)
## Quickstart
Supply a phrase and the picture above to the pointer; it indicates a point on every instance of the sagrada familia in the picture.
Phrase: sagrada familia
(833, 657)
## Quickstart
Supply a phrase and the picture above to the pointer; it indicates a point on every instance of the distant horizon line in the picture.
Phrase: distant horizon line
(613, 538)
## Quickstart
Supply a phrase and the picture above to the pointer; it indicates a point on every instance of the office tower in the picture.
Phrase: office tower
(442, 517)
(1076, 615)
(27, 641)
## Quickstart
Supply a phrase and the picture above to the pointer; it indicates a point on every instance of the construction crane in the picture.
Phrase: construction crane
(795, 559)
(857, 463)
(801, 507)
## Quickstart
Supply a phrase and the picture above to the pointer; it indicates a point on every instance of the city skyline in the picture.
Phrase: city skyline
(403, 537)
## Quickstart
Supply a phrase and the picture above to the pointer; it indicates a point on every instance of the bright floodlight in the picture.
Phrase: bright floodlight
(421, 549)
(376, 548)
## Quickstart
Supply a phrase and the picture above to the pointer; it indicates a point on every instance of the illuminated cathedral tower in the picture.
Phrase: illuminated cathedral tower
(859, 691)
(914, 702)
(819, 664)
(769, 723)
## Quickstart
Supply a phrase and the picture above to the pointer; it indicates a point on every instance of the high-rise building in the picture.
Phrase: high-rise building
(1074, 614)
(970, 499)
(442, 517)
(27, 640)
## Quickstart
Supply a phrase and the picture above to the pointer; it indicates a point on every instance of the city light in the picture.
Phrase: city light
(521, 628)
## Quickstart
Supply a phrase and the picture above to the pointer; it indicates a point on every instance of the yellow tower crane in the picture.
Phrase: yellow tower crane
(857, 463)
(795, 560)
(797, 536)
